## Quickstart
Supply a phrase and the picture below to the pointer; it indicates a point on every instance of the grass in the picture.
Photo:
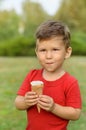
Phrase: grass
(12, 73)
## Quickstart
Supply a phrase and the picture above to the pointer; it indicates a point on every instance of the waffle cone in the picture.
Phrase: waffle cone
(37, 86)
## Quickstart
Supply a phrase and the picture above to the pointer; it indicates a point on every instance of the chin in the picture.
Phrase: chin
(50, 70)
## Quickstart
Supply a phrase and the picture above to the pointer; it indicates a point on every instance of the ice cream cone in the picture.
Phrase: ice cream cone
(37, 86)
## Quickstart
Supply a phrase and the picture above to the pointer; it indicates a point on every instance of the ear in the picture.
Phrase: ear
(68, 52)
(36, 51)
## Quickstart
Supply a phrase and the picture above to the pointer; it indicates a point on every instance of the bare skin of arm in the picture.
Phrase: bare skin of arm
(45, 102)
(64, 112)
(25, 102)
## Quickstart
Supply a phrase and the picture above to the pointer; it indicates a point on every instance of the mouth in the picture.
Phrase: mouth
(49, 63)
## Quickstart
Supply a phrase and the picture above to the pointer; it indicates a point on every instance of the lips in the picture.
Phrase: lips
(49, 63)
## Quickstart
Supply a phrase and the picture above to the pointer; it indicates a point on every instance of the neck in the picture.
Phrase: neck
(51, 76)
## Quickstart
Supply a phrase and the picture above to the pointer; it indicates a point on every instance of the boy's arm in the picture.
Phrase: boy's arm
(65, 112)
(20, 103)
(25, 102)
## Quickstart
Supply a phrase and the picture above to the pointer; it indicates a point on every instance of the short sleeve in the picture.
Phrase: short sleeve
(25, 86)
(73, 96)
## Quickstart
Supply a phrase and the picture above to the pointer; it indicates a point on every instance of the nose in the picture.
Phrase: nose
(48, 54)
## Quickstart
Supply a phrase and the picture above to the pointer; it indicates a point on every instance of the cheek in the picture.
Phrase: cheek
(60, 57)
(40, 57)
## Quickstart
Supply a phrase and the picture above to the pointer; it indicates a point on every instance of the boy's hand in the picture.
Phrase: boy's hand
(46, 102)
(31, 98)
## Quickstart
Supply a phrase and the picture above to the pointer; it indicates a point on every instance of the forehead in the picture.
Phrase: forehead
(53, 40)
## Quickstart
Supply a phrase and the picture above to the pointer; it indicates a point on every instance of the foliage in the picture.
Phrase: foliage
(17, 31)
(24, 46)
(78, 43)
(72, 13)
(17, 34)
(19, 46)
(33, 15)
(8, 24)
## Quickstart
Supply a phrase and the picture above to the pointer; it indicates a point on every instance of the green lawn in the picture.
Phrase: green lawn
(12, 73)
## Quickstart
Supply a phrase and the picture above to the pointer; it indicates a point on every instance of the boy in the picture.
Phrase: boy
(61, 100)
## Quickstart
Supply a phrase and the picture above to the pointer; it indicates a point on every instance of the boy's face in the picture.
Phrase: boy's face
(51, 53)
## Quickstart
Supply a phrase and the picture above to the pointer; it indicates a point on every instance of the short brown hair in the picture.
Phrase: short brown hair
(53, 28)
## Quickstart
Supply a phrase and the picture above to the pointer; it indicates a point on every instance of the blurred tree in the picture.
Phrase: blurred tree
(11, 24)
(73, 13)
(33, 15)
(8, 24)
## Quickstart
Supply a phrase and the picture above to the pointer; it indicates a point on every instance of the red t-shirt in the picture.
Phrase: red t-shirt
(65, 91)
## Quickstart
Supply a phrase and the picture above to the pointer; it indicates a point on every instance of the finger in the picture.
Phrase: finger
(46, 102)
(32, 97)
(31, 102)
(44, 98)
(30, 93)
(43, 106)
(43, 103)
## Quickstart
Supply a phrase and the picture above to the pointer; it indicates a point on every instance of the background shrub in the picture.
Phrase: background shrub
(20, 46)
(78, 43)
(25, 46)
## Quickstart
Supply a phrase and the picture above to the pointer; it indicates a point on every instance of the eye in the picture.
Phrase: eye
(42, 50)
(56, 49)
